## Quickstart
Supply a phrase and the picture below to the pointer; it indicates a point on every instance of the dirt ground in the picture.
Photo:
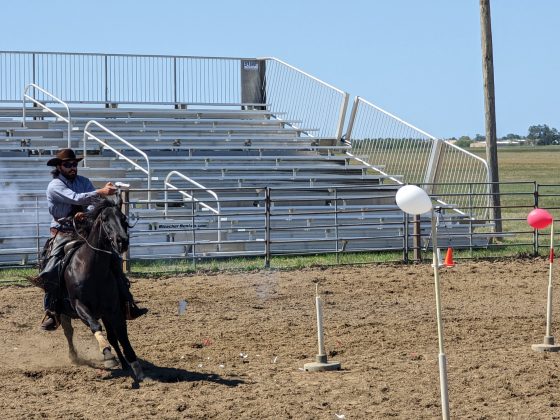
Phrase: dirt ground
(238, 350)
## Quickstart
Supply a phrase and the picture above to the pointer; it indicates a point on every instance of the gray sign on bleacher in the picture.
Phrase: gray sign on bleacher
(253, 83)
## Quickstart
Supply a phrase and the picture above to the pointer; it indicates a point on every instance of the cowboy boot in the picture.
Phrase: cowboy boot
(50, 320)
(130, 309)
(50, 280)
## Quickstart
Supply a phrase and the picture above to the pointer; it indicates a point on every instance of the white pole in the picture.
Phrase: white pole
(442, 359)
(321, 361)
(319, 322)
(548, 342)
(549, 301)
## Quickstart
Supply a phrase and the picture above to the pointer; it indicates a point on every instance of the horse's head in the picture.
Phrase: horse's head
(114, 224)
(116, 228)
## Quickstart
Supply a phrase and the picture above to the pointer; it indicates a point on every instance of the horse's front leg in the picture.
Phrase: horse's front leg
(66, 323)
(95, 327)
(116, 330)
(112, 337)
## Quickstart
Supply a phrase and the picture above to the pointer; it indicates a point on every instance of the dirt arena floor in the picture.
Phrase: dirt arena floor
(238, 350)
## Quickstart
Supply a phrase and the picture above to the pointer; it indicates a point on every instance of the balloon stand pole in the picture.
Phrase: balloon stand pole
(414, 200)
(441, 357)
(439, 259)
(548, 343)
(321, 363)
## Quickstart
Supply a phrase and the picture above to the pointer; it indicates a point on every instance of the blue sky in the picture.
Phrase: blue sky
(420, 60)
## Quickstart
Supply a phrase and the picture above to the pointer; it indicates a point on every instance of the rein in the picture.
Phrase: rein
(90, 245)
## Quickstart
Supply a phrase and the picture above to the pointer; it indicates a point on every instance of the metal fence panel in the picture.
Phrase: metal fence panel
(288, 221)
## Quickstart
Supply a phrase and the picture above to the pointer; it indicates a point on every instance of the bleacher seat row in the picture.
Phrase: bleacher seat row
(243, 150)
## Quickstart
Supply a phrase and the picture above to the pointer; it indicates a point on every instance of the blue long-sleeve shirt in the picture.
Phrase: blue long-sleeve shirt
(63, 193)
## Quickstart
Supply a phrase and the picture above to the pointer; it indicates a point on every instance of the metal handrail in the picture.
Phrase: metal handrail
(351, 124)
(345, 95)
(190, 197)
(302, 72)
(46, 108)
(360, 99)
(435, 160)
(116, 136)
(124, 55)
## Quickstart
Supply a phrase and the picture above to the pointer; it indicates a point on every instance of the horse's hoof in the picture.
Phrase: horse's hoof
(74, 359)
(109, 360)
(137, 370)
(110, 363)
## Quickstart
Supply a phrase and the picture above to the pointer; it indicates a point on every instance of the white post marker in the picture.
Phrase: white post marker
(320, 336)
(321, 363)
(414, 200)
(539, 219)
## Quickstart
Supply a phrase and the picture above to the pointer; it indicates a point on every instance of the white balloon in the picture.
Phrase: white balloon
(413, 200)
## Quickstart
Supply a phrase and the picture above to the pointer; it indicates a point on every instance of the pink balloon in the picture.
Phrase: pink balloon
(539, 218)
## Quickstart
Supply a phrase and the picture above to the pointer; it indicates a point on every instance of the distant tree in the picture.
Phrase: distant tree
(543, 135)
(479, 137)
(464, 142)
(512, 136)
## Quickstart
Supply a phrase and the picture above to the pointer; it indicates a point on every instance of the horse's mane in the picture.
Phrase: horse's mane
(98, 206)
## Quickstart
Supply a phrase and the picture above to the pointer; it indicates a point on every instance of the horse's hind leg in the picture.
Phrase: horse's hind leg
(69, 334)
(95, 327)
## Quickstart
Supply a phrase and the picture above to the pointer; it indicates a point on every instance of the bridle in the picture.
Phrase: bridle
(111, 241)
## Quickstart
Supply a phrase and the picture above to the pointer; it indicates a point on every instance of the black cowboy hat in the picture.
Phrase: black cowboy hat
(63, 155)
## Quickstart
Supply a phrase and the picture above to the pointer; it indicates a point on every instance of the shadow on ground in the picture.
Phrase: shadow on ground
(172, 375)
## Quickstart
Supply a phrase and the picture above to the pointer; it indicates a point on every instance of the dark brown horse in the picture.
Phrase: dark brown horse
(92, 287)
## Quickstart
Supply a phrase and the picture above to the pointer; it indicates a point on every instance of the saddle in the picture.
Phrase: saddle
(51, 278)
(70, 248)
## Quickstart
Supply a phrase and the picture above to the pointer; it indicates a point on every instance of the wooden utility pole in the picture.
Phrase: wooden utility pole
(490, 112)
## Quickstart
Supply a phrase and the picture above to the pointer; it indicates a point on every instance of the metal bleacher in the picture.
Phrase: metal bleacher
(236, 150)
(207, 178)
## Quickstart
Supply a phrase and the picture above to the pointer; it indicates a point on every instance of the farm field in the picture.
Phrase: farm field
(520, 168)
(522, 163)
(238, 350)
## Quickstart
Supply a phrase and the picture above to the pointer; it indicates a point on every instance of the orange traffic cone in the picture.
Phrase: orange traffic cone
(449, 258)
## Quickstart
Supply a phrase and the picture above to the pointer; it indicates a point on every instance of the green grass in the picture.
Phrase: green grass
(16, 276)
(168, 268)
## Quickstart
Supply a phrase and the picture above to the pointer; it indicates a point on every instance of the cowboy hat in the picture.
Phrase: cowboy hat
(63, 155)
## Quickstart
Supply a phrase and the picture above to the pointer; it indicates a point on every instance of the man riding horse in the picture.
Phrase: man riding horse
(68, 196)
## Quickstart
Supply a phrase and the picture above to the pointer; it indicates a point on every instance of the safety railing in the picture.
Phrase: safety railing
(392, 146)
(307, 98)
(40, 104)
(89, 135)
(122, 78)
(178, 80)
(216, 210)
